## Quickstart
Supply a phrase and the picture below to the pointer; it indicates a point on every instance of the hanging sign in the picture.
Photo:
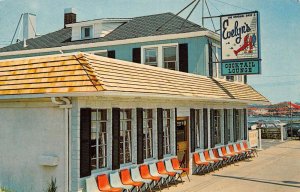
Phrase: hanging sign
(240, 67)
(240, 43)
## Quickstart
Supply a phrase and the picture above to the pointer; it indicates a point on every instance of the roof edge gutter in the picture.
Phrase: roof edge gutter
(116, 42)
(132, 95)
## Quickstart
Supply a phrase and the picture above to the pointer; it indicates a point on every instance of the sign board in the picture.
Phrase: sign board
(253, 138)
(240, 43)
(240, 67)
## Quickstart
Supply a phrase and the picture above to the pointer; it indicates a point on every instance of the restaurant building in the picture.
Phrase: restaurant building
(73, 116)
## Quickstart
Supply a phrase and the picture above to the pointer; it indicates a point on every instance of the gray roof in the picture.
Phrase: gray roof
(137, 27)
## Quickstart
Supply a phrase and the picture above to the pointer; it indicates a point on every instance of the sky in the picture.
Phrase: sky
(280, 30)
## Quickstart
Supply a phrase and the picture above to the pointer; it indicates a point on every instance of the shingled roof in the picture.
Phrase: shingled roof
(90, 74)
(137, 27)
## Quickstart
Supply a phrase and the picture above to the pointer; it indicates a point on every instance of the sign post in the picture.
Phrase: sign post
(240, 44)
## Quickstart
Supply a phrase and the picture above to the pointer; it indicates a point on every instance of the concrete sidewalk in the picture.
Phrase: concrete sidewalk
(275, 169)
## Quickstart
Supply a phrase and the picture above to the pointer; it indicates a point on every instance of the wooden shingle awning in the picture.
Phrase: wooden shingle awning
(87, 73)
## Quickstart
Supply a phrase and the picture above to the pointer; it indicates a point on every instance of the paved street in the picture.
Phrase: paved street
(276, 169)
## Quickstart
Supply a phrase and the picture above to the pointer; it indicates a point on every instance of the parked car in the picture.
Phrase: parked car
(292, 129)
(298, 133)
(251, 125)
(267, 125)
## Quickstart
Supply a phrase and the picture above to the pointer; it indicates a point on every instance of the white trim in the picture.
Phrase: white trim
(118, 42)
(97, 21)
(160, 56)
(134, 95)
(98, 51)
(92, 31)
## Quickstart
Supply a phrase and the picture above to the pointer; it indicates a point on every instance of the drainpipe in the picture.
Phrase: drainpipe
(65, 103)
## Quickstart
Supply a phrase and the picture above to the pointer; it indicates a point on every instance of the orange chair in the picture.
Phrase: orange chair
(247, 152)
(145, 174)
(231, 156)
(201, 166)
(224, 160)
(208, 158)
(176, 166)
(251, 150)
(237, 148)
(162, 170)
(126, 179)
(237, 153)
(103, 184)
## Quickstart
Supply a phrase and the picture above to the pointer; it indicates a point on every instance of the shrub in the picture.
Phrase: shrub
(52, 185)
(4, 189)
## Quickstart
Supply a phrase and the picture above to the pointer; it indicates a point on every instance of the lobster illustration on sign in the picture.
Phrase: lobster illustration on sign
(247, 47)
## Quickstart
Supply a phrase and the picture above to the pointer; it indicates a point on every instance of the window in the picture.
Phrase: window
(237, 122)
(148, 133)
(230, 78)
(101, 53)
(239, 78)
(165, 56)
(99, 139)
(216, 126)
(170, 61)
(228, 125)
(125, 136)
(151, 56)
(166, 131)
(215, 55)
(86, 32)
(199, 129)
(219, 65)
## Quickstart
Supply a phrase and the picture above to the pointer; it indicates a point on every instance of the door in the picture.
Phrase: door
(182, 141)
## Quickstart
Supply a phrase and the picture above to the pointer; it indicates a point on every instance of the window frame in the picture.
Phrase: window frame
(238, 122)
(217, 118)
(160, 54)
(167, 151)
(145, 120)
(199, 129)
(97, 145)
(151, 63)
(82, 32)
(123, 142)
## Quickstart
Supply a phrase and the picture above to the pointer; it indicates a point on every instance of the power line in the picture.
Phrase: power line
(16, 28)
(232, 5)
(212, 21)
(175, 15)
(294, 75)
(190, 13)
(215, 7)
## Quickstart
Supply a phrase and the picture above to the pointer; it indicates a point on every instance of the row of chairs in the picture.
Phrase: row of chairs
(142, 178)
(216, 158)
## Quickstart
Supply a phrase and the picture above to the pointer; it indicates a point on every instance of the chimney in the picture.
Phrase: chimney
(29, 26)
(70, 16)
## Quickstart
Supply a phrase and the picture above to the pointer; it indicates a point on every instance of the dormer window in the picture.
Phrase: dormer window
(87, 32)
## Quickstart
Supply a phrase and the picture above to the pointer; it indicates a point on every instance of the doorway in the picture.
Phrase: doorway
(182, 141)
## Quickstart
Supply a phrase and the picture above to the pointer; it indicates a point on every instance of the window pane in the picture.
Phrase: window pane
(87, 32)
(217, 126)
(166, 130)
(169, 54)
(147, 132)
(98, 138)
(125, 135)
(151, 56)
